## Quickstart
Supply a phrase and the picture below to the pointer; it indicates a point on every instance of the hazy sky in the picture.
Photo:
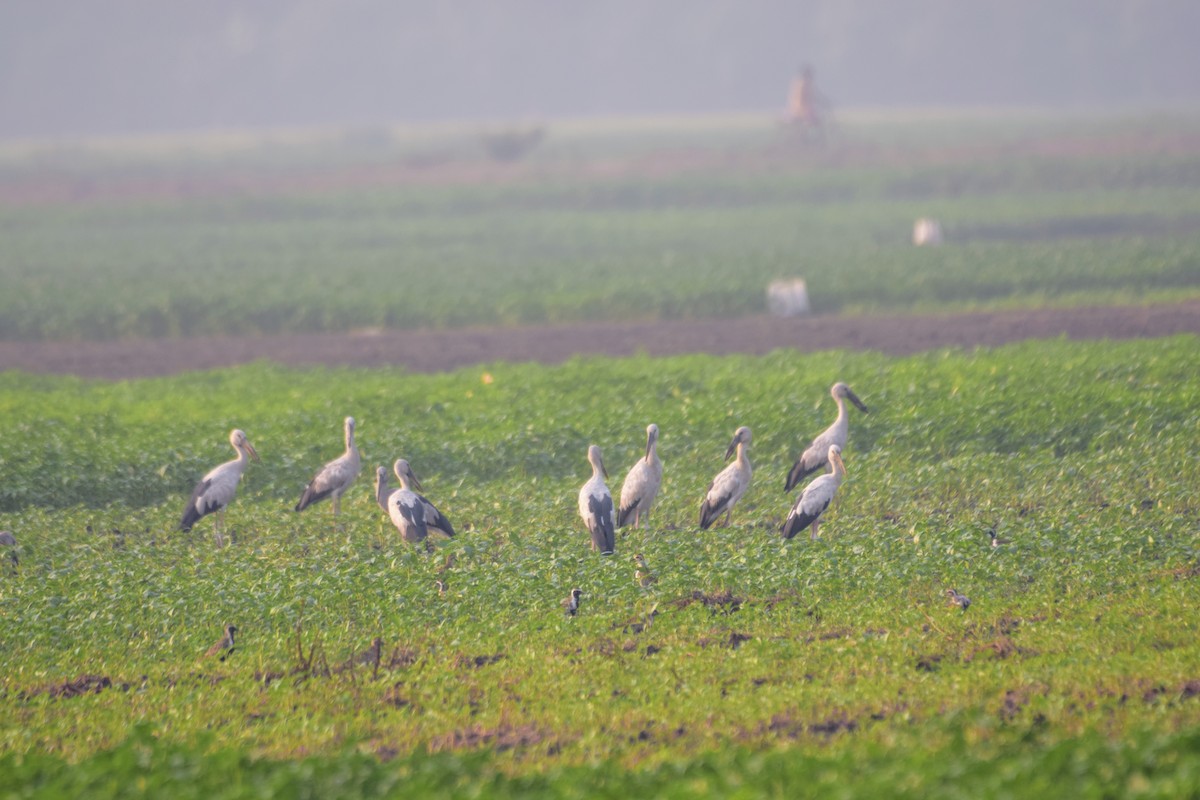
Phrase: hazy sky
(70, 67)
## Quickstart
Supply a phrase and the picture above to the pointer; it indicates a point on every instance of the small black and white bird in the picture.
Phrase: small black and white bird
(816, 497)
(571, 604)
(815, 457)
(641, 484)
(596, 506)
(223, 647)
(958, 599)
(217, 489)
(730, 484)
(336, 477)
(997, 540)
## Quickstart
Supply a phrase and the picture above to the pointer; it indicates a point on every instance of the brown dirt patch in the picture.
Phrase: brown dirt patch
(435, 351)
(504, 737)
(84, 684)
(717, 602)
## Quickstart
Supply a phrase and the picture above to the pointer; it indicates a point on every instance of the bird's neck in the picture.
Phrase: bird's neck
(842, 414)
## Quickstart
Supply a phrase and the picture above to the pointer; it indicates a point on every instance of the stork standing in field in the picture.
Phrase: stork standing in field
(382, 490)
(382, 493)
(730, 484)
(596, 506)
(641, 484)
(335, 477)
(816, 497)
(817, 455)
(217, 489)
(405, 507)
(434, 520)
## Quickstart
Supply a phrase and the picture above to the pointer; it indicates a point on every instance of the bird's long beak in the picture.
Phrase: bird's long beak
(603, 470)
(732, 447)
(412, 476)
(253, 453)
(854, 399)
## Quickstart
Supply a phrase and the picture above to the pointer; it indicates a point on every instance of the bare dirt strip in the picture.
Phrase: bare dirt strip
(441, 350)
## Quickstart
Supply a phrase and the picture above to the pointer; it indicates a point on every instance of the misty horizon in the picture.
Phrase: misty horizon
(131, 67)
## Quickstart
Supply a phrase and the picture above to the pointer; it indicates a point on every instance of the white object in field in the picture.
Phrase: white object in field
(788, 298)
(927, 230)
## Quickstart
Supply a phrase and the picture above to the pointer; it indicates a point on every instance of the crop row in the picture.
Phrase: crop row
(548, 246)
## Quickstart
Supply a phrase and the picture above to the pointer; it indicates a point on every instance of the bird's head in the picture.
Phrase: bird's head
(406, 475)
(596, 460)
(238, 439)
(840, 389)
(740, 436)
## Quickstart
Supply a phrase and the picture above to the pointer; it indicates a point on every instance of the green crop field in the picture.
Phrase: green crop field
(603, 221)
(752, 667)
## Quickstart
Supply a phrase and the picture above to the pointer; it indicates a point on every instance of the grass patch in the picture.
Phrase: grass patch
(749, 665)
(644, 224)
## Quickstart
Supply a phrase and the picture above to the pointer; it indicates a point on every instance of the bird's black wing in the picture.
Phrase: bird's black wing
(435, 518)
(711, 512)
(312, 495)
(625, 513)
(601, 526)
(191, 514)
(800, 470)
(799, 519)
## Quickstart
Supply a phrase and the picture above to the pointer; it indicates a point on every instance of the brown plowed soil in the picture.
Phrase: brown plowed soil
(434, 351)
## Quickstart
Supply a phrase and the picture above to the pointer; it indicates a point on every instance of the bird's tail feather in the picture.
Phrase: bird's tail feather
(795, 475)
(625, 512)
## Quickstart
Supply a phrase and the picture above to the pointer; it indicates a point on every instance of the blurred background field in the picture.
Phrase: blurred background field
(651, 219)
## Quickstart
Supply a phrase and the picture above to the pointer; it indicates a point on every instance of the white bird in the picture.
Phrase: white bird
(217, 489)
(433, 518)
(382, 490)
(335, 477)
(816, 497)
(405, 508)
(596, 506)
(816, 457)
(730, 484)
(641, 484)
